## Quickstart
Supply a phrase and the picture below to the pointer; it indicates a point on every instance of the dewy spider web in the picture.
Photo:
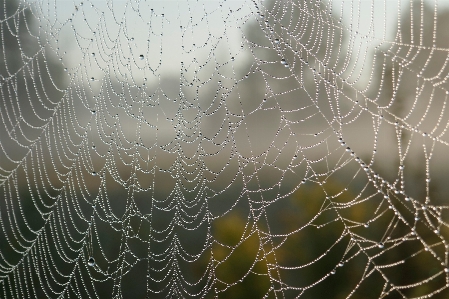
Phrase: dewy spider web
(235, 149)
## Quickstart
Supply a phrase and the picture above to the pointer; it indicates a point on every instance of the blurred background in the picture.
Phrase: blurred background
(231, 149)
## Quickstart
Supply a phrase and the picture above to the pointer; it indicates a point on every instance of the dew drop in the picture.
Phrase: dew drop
(93, 54)
(333, 272)
(91, 262)
(276, 41)
(92, 79)
(380, 245)
(283, 61)
(141, 57)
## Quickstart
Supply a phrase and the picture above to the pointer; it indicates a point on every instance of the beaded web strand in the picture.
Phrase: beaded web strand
(224, 149)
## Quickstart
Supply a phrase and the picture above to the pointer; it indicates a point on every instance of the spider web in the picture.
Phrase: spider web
(236, 149)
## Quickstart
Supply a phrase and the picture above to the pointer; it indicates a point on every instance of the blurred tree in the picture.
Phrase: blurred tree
(409, 82)
(31, 79)
(306, 251)
(31, 82)
(292, 46)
